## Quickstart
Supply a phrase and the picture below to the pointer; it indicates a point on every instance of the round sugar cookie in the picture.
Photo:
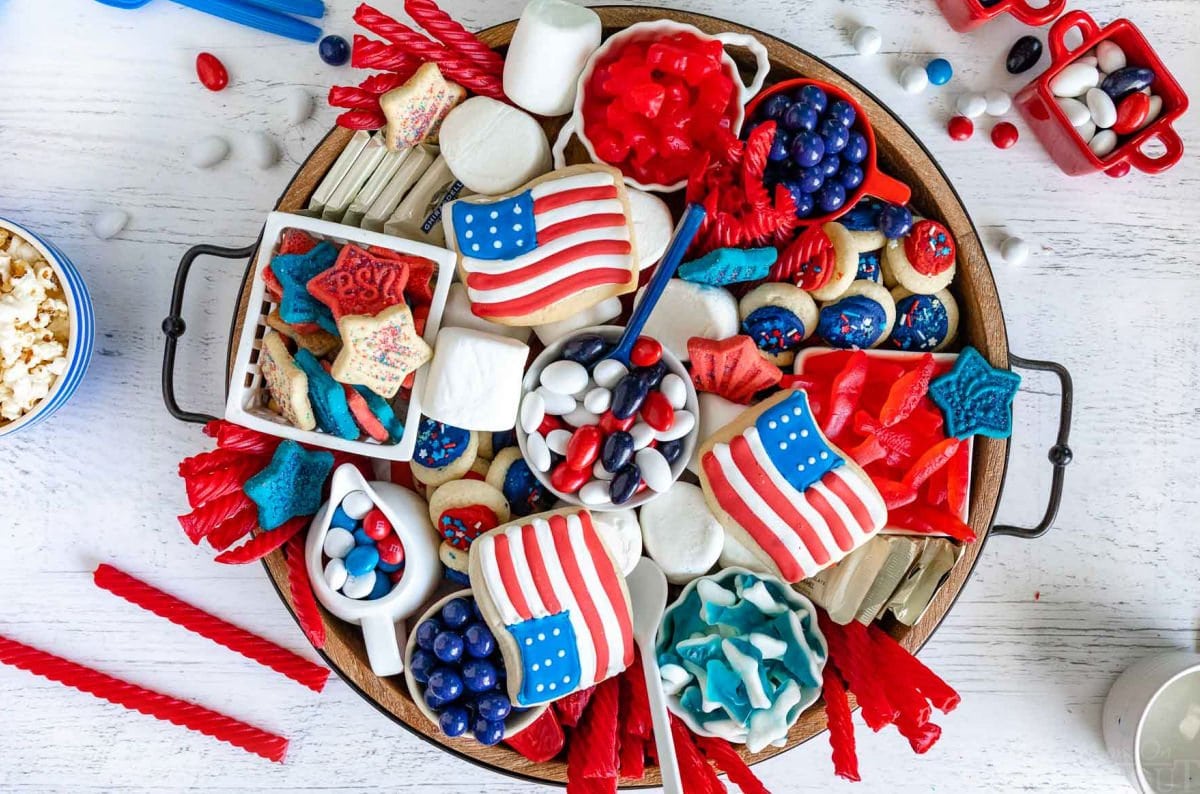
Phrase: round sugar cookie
(680, 533)
(863, 223)
(845, 262)
(778, 316)
(870, 266)
(443, 452)
(492, 147)
(513, 477)
(925, 323)
(924, 261)
(462, 511)
(622, 535)
(862, 317)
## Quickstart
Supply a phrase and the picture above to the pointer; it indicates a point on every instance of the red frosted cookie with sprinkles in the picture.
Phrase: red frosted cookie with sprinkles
(823, 261)
(924, 261)
(461, 511)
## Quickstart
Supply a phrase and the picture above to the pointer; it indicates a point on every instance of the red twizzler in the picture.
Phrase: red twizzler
(308, 615)
(264, 543)
(841, 728)
(449, 32)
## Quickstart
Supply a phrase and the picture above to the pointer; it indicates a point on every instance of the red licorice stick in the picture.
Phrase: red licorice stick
(234, 528)
(371, 54)
(877, 712)
(303, 600)
(362, 120)
(136, 698)
(196, 620)
(263, 544)
(345, 96)
(207, 486)
(209, 461)
(841, 728)
(203, 520)
(243, 439)
(382, 82)
(449, 32)
(721, 753)
(694, 771)
(896, 656)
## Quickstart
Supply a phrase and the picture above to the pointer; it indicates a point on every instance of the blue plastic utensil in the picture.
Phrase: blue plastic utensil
(685, 232)
(268, 15)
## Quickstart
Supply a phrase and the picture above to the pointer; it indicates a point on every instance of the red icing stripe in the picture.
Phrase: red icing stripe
(482, 281)
(761, 482)
(843, 491)
(508, 576)
(608, 580)
(528, 304)
(584, 224)
(566, 197)
(537, 569)
(567, 556)
(731, 503)
(840, 534)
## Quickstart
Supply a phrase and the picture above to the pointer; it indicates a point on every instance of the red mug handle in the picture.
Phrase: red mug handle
(1156, 165)
(1036, 17)
(882, 186)
(1058, 34)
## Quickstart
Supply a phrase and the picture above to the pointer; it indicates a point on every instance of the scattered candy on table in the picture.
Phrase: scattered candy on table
(960, 128)
(334, 50)
(939, 71)
(1005, 135)
(1024, 55)
(914, 79)
(211, 71)
(867, 40)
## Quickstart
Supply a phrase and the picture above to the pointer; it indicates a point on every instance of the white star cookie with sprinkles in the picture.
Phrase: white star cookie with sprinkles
(286, 383)
(379, 352)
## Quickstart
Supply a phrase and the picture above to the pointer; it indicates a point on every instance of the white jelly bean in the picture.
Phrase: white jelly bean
(608, 372)
(642, 434)
(684, 422)
(654, 468)
(1156, 106)
(1087, 130)
(867, 40)
(335, 572)
(580, 416)
(601, 473)
(208, 151)
(914, 79)
(597, 400)
(1102, 108)
(357, 504)
(109, 223)
(263, 150)
(537, 451)
(557, 440)
(1076, 112)
(971, 105)
(338, 543)
(674, 389)
(564, 377)
(1014, 250)
(556, 404)
(359, 586)
(1103, 143)
(595, 493)
(1110, 56)
(998, 102)
(533, 411)
(1088, 60)
(299, 106)
(1074, 80)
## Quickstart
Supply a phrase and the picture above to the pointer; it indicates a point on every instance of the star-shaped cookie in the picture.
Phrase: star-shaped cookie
(975, 397)
(293, 272)
(360, 282)
(415, 110)
(379, 352)
(290, 485)
(286, 382)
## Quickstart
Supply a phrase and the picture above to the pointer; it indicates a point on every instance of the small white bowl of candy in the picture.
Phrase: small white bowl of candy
(602, 435)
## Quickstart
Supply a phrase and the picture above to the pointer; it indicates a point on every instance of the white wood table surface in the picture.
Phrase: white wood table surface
(97, 106)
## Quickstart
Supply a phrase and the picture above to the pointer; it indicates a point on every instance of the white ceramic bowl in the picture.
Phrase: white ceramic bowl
(80, 337)
(515, 722)
(611, 333)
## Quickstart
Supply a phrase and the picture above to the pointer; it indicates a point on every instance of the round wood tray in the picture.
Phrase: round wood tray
(902, 156)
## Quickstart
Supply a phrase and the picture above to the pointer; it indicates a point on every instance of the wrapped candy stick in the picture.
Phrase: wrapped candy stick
(164, 707)
(445, 29)
(196, 620)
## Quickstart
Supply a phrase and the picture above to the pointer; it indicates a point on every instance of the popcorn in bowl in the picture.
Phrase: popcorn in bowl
(34, 327)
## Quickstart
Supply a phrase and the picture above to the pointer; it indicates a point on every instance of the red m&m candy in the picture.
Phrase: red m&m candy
(646, 352)
(211, 71)
(376, 525)
(961, 128)
(1005, 135)
(391, 550)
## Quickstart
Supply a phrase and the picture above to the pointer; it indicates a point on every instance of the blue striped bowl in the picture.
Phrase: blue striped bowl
(82, 333)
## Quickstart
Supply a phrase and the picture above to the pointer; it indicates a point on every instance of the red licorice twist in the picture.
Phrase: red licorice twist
(234, 528)
(362, 120)
(371, 54)
(303, 600)
(203, 520)
(263, 544)
(841, 729)
(446, 30)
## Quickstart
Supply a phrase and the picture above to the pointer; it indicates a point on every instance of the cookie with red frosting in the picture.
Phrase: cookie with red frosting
(360, 282)
(924, 261)
(461, 511)
(823, 261)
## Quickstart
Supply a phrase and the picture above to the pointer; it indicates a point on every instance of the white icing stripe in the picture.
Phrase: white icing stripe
(552, 186)
(608, 616)
(524, 576)
(558, 580)
(794, 497)
(531, 285)
(786, 535)
(857, 536)
(867, 494)
(486, 548)
(580, 209)
(493, 266)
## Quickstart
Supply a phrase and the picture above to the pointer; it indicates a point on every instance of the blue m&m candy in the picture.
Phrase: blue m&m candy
(382, 587)
(493, 706)
(939, 71)
(426, 633)
(454, 721)
(488, 732)
(445, 684)
(334, 50)
(456, 613)
(361, 538)
(479, 641)
(341, 519)
(479, 675)
(448, 646)
(361, 559)
(421, 665)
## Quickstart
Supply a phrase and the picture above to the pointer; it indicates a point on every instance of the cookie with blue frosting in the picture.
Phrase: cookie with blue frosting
(443, 452)
(512, 476)
(778, 317)
(862, 317)
(863, 223)
(924, 323)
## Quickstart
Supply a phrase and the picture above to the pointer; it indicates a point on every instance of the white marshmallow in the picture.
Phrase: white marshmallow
(548, 50)
(715, 413)
(680, 533)
(474, 380)
(596, 314)
(621, 533)
(458, 314)
(492, 147)
(652, 226)
(735, 555)
(686, 310)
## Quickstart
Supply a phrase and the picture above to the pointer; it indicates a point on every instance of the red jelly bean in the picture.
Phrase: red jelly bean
(1131, 113)
(584, 447)
(610, 423)
(646, 352)
(960, 128)
(566, 479)
(1005, 135)
(376, 525)
(550, 422)
(657, 411)
(211, 71)
(391, 550)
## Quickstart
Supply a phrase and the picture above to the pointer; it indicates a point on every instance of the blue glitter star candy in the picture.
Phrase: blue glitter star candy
(975, 397)
(290, 485)
(294, 272)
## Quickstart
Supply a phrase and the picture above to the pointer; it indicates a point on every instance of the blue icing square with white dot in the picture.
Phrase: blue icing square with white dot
(549, 658)
(498, 230)
(788, 431)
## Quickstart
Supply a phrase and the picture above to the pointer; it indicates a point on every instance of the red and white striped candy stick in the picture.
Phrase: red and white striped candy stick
(445, 29)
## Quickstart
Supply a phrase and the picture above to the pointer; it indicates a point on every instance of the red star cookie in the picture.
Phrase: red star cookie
(732, 368)
(360, 282)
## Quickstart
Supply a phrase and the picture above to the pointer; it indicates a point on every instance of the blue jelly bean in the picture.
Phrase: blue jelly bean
(454, 720)
(624, 483)
(843, 111)
(807, 149)
(834, 135)
(815, 96)
(334, 50)
(448, 646)
(800, 117)
(810, 179)
(851, 177)
(479, 675)
(421, 665)
(445, 684)
(479, 640)
(895, 221)
(856, 147)
(775, 106)
(628, 395)
(361, 538)
(652, 374)
(671, 450)
(616, 451)
(456, 613)
(493, 706)
(585, 349)
(939, 70)
(830, 164)
(1125, 81)
(427, 632)
(340, 519)
(488, 732)
(382, 587)
(361, 560)
(831, 196)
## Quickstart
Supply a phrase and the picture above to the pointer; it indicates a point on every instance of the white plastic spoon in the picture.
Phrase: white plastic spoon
(648, 591)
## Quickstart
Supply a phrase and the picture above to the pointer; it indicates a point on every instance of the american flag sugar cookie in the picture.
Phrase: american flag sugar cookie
(788, 495)
(556, 602)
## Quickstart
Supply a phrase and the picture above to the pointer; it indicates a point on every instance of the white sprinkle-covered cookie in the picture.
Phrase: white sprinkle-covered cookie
(287, 383)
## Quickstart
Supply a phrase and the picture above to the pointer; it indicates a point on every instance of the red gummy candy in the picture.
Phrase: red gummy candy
(732, 368)
(695, 773)
(926, 520)
(203, 520)
(930, 461)
(296, 241)
(958, 480)
(211, 71)
(233, 529)
(906, 393)
(844, 394)
(541, 741)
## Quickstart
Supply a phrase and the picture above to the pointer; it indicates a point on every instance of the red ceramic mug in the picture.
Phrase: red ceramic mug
(875, 183)
(1048, 122)
(964, 15)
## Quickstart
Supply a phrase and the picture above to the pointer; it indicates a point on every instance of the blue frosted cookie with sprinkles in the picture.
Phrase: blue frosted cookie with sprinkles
(778, 317)
(870, 266)
(863, 223)
(511, 475)
(443, 452)
(861, 318)
(924, 323)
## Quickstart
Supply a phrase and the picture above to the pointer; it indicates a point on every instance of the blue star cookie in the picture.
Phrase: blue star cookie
(729, 266)
(294, 272)
(328, 398)
(975, 397)
(290, 485)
